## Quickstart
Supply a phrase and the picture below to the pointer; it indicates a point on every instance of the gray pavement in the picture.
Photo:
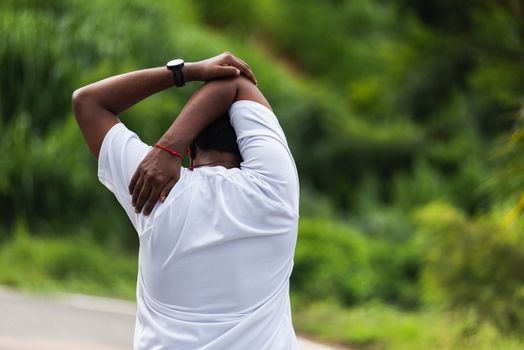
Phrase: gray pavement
(72, 322)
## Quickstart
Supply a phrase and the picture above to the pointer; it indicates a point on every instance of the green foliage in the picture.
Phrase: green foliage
(334, 261)
(378, 326)
(472, 263)
(331, 261)
(387, 105)
(75, 265)
(508, 159)
(357, 92)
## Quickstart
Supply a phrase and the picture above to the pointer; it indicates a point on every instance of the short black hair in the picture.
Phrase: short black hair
(218, 136)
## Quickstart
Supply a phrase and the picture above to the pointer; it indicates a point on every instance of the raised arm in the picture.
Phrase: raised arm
(159, 171)
(97, 105)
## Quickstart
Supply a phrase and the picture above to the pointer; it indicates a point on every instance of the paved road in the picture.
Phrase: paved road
(72, 322)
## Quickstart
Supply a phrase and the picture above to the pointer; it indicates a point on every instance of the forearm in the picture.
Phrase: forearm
(96, 105)
(212, 100)
(120, 92)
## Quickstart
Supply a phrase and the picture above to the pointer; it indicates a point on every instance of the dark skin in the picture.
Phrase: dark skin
(158, 172)
(214, 158)
(97, 105)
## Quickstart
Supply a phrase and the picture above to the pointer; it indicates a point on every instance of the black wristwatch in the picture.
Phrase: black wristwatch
(176, 66)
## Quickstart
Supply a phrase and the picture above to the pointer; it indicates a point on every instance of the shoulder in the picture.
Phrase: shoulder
(236, 189)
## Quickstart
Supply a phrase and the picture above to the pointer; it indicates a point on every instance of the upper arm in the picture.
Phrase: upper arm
(246, 90)
(263, 144)
(120, 153)
(93, 119)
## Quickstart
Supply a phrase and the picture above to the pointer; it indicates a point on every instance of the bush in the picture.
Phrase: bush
(379, 326)
(75, 264)
(474, 263)
(335, 261)
(331, 261)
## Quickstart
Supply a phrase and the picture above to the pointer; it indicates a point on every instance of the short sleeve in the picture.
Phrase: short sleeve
(120, 154)
(264, 150)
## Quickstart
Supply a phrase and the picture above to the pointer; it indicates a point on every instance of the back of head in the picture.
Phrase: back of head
(217, 136)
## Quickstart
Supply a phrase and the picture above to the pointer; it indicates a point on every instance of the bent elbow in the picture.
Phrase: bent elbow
(78, 99)
(78, 96)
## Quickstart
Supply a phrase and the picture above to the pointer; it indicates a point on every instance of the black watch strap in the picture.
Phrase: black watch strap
(179, 77)
(176, 66)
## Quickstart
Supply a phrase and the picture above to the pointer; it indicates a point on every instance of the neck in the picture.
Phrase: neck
(216, 158)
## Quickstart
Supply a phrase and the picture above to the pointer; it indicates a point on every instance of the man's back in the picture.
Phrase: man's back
(216, 256)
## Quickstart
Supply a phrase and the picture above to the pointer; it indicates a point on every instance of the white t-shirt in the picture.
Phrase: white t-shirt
(215, 258)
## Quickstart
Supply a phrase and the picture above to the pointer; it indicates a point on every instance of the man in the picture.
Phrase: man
(216, 252)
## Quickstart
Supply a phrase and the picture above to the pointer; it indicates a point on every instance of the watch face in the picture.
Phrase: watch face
(176, 63)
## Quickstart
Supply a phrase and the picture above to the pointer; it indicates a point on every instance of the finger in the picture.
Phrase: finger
(167, 188)
(137, 190)
(142, 197)
(244, 68)
(251, 75)
(134, 180)
(229, 71)
(243, 62)
(232, 60)
(151, 201)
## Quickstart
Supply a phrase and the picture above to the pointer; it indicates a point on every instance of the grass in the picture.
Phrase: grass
(81, 266)
(72, 265)
(378, 326)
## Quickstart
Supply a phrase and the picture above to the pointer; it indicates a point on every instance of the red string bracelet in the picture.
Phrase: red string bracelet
(170, 151)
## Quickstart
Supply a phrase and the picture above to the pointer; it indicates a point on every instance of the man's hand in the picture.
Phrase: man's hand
(159, 171)
(155, 177)
(222, 66)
